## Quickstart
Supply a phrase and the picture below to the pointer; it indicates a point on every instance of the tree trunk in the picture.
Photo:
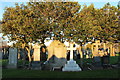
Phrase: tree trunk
(28, 50)
(23, 50)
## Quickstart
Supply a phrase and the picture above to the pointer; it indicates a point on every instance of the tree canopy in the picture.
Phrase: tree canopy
(37, 20)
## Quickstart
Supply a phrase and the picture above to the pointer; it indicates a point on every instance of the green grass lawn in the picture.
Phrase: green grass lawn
(113, 60)
(20, 73)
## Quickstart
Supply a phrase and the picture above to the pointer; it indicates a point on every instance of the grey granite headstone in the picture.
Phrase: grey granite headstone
(105, 61)
(97, 62)
(1, 54)
(12, 58)
(36, 65)
(55, 62)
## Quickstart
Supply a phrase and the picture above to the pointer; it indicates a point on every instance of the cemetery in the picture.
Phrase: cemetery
(56, 61)
(55, 41)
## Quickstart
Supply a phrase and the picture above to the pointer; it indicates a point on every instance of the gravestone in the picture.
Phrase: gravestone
(56, 55)
(36, 64)
(12, 58)
(1, 54)
(95, 47)
(71, 64)
(36, 52)
(112, 50)
(97, 62)
(101, 52)
(58, 49)
(105, 61)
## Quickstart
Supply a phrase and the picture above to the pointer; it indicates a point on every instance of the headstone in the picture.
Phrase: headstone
(36, 64)
(112, 50)
(95, 47)
(97, 62)
(104, 46)
(12, 58)
(71, 48)
(71, 64)
(56, 55)
(36, 52)
(101, 52)
(58, 49)
(1, 53)
(105, 61)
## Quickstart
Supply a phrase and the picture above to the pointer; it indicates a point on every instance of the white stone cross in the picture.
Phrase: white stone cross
(71, 50)
(95, 50)
(97, 43)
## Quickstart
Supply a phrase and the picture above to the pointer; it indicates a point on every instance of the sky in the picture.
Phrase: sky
(97, 4)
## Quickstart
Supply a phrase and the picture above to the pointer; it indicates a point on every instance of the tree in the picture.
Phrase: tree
(57, 16)
(34, 21)
(86, 25)
(97, 23)
(108, 22)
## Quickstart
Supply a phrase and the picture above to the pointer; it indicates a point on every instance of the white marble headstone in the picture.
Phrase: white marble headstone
(12, 58)
(36, 52)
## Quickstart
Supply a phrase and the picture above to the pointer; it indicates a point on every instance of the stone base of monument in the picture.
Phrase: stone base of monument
(55, 64)
(71, 66)
(11, 66)
(36, 65)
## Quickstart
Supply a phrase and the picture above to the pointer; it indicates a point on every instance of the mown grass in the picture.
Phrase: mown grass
(20, 73)
(23, 73)
(113, 60)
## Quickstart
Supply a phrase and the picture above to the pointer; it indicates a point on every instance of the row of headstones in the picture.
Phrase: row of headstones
(59, 56)
(5, 54)
(13, 57)
(13, 60)
(53, 60)
(105, 50)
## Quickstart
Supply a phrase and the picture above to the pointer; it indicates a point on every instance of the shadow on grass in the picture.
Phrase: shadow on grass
(20, 73)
